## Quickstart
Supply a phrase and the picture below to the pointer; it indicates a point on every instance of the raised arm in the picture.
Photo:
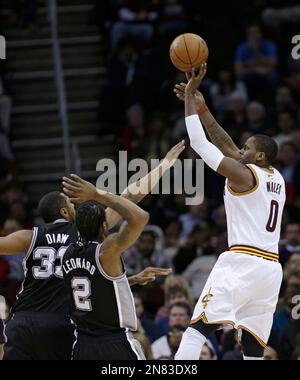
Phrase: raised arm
(146, 184)
(16, 242)
(240, 177)
(219, 137)
(135, 218)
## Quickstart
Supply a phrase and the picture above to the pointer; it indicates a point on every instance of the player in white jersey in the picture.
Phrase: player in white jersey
(242, 289)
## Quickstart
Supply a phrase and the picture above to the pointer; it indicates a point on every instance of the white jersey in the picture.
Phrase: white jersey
(254, 216)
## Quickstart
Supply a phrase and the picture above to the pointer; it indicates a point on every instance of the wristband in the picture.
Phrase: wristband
(202, 110)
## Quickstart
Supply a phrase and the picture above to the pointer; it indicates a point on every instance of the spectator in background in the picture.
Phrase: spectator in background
(180, 315)
(172, 20)
(176, 288)
(256, 114)
(143, 254)
(152, 331)
(19, 212)
(290, 339)
(167, 349)
(256, 61)
(288, 166)
(221, 92)
(130, 70)
(293, 278)
(286, 125)
(172, 243)
(291, 242)
(197, 213)
(231, 349)
(292, 263)
(208, 352)
(292, 73)
(197, 245)
(283, 316)
(15, 261)
(136, 134)
(198, 272)
(234, 120)
(176, 294)
(135, 19)
(284, 102)
(145, 343)
(142, 338)
(279, 12)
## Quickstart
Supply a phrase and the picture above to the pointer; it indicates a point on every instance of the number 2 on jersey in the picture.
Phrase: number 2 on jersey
(81, 291)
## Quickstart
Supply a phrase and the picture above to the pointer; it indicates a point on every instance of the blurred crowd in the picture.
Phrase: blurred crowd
(252, 86)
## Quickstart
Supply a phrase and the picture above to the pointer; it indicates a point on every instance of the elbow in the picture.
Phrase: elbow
(142, 218)
(145, 217)
(195, 145)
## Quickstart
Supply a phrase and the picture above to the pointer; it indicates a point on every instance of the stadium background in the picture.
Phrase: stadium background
(84, 79)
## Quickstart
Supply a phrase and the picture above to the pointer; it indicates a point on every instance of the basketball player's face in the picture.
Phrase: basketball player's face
(71, 211)
(248, 152)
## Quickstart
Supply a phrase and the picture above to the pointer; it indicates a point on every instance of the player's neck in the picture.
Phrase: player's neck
(263, 165)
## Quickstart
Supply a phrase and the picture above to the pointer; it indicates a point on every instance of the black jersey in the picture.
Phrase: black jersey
(43, 289)
(98, 303)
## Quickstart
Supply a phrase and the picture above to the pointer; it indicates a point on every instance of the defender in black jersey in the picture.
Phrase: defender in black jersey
(101, 302)
(40, 327)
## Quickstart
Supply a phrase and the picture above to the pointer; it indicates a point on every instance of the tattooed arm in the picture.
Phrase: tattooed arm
(219, 136)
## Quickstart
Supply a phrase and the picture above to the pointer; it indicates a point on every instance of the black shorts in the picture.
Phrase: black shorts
(38, 336)
(116, 346)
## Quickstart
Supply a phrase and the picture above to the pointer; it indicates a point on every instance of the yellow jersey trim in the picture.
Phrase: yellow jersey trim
(268, 170)
(253, 251)
(203, 318)
(241, 193)
(260, 341)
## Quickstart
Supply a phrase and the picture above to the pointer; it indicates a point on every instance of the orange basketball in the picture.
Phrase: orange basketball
(188, 51)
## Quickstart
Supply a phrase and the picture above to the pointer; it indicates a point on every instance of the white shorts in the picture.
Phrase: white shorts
(241, 291)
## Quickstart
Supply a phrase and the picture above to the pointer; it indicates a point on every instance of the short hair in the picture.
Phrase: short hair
(149, 233)
(177, 289)
(50, 206)
(183, 305)
(90, 216)
(267, 145)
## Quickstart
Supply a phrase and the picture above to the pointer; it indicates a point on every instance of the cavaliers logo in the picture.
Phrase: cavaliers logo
(207, 298)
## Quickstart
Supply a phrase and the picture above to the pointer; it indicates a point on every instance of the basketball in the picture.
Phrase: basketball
(188, 51)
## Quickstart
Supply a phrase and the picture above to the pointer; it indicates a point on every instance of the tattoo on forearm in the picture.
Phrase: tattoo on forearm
(220, 137)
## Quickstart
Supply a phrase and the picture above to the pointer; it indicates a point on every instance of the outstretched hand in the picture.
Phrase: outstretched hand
(149, 275)
(78, 190)
(174, 153)
(179, 90)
